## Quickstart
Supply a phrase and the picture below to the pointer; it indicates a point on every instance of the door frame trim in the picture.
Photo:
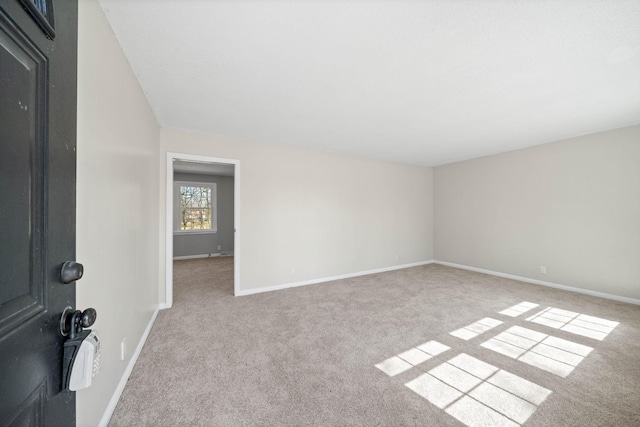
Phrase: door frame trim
(171, 157)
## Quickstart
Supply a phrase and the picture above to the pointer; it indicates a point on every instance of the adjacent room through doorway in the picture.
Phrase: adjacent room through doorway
(201, 219)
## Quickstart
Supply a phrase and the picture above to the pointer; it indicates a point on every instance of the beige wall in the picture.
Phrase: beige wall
(322, 213)
(572, 206)
(117, 200)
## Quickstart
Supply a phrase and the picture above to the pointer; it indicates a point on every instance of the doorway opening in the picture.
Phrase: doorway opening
(217, 236)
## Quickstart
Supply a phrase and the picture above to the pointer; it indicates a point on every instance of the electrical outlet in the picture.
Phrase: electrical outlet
(123, 349)
(219, 247)
(293, 271)
(397, 257)
(543, 269)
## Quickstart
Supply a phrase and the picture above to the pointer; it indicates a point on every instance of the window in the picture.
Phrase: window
(196, 205)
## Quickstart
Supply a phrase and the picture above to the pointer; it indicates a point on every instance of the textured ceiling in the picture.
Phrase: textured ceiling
(422, 82)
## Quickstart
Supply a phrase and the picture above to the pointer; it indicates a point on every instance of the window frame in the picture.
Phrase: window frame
(214, 207)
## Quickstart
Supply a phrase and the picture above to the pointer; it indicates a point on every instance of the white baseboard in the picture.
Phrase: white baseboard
(106, 417)
(175, 258)
(329, 279)
(195, 256)
(542, 283)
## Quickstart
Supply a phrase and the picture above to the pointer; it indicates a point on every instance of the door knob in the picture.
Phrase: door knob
(73, 321)
(71, 271)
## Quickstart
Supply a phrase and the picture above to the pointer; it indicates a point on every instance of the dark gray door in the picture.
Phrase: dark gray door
(37, 206)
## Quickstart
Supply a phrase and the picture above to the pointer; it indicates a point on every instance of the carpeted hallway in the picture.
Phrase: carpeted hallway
(429, 346)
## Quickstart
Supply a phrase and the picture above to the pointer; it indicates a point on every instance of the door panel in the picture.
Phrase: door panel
(37, 210)
(22, 77)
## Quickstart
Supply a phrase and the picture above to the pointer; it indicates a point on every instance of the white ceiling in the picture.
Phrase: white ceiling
(421, 82)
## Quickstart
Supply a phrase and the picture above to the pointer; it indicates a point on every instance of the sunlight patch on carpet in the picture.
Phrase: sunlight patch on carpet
(576, 323)
(519, 309)
(412, 357)
(476, 328)
(477, 393)
(549, 353)
(394, 366)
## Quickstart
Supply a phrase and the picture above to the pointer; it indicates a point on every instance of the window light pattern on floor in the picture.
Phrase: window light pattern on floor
(475, 329)
(518, 309)
(546, 352)
(477, 393)
(576, 323)
(410, 358)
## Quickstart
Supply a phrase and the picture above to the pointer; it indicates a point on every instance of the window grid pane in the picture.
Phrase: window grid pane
(195, 208)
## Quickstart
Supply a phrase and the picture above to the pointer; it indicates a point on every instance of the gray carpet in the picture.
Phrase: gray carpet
(369, 351)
